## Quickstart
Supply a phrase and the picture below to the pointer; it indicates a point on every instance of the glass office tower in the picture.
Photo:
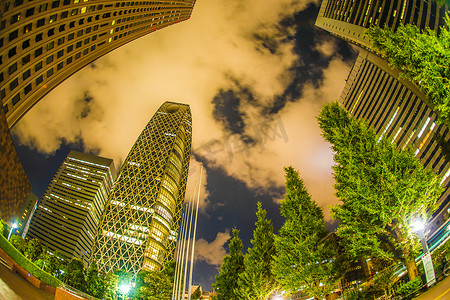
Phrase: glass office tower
(69, 213)
(139, 227)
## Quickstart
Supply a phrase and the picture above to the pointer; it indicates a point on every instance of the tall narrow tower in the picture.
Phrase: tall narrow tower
(42, 42)
(140, 224)
(70, 211)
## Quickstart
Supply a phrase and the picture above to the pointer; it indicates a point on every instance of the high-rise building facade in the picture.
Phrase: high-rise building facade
(140, 224)
(349, 19)
(42, 42)
(69, 213)
(394, 107)
(14, 183)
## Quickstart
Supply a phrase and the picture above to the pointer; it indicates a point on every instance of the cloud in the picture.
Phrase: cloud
(213, 252)
(226, 45)
(195, 168)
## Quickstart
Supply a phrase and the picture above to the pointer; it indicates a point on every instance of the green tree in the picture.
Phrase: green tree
(53, 264)
(257, 281)
(305, 255)
(19, 243)
(95, 282)
(196, 295)
(226, 282)
(111, 286)
(74, 274)
(422, 57)
(34, 250)
(158, 286)
(382, 189)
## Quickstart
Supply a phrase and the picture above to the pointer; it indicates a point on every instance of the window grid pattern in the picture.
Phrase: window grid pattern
(70, 210)
(139, 226)
(75, 33)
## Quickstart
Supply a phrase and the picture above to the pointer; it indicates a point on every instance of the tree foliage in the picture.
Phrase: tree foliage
(382, 189)
(34, 250)
(95, 282)
(19, 243)
(74, 274)
(257, 281)
(305, 255)
(196, 295)
(226, 282)
(423, 57)
(157, 284)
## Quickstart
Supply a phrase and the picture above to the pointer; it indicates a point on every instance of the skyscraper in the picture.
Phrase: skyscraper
(14, 183)
(42, 42)
(142, 218)
(70, 210)
(349, 19)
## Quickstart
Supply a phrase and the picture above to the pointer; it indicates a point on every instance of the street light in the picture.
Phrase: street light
(13, 226)
(125, 289)
(418, 226)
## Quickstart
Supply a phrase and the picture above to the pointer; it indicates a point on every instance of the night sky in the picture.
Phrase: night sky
(255, 75)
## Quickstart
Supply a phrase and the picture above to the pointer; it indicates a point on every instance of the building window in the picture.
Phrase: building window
(86, 41)
(72, 24)
(27, 28)
(49, 59)
(92, 48)
(38, 66)
(16, 99)
(5, 109)
(70, 48)
(14, 84)
(26, 59)
(2, 24)
(50, 46)
(26, 74)
(59, 53)
(66, 2)
(50, 72)
(12, 52)
(41, 22)
(51, 32)
(1, 77)
(12, 68)
(53, 18)
(62, 28)
(61, 40)
(70, 36)
(55, 4)
(78, 55)
(39, 80)
(80, 32)
(29, 12)
(64, 14)
(74, 12)
(81, 22)
(88, 29)
(38, 52)
(2, 94)
(18, 2)
(13, 35)
(1, 42)
(38, 37)
(85, 51)
(15, 18)
(78, 45)
(27, 89)
(6, 7)
(59, 66)
(26, 44)
(43, 7)
(69, 60)
(94, 37)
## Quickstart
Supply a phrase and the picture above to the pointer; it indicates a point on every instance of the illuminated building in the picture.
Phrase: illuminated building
(69, 213)
(140, 224)
(14, 183)
(348, 19)
(43, 42)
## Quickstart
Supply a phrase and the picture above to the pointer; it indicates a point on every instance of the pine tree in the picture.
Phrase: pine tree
(257, 281)
(382, 189)
(423, 57)
(226, 283)
(304, 254)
